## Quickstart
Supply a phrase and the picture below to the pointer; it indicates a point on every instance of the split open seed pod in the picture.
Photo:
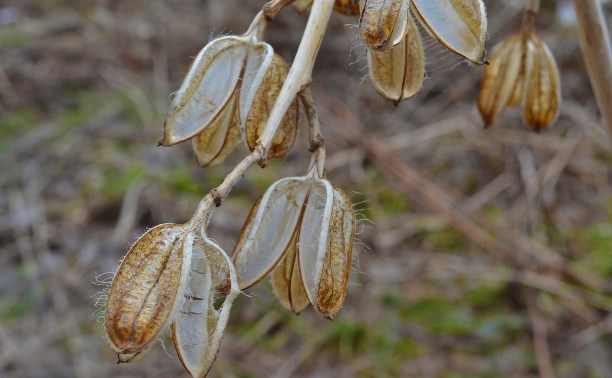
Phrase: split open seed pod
(383, 23)
(201, 323)
(263, 101)
(398, 73)
(460, 25)
(302, 228)
(502, 81)
(542, 92)
(146, 292)
(223, 69)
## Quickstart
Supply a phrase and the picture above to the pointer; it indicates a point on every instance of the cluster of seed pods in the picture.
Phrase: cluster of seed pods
(300, 231)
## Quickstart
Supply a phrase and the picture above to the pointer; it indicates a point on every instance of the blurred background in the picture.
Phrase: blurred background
(490, 257)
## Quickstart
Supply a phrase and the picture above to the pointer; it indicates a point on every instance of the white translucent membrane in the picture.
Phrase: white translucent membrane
(260, 58)
(314, 231)
(199, 327)
(269, 229)
(461, 25)
(208, 86)
(398, 73)
(401, 25)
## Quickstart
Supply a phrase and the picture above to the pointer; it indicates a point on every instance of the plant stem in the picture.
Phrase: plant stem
(301, 70)
(597, 53)
(317, 143)
(297, 81)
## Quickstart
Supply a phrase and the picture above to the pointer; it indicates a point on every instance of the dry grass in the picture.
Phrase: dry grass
(485, 253)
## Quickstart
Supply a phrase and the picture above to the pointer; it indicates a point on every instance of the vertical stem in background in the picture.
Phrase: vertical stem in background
(597, 53)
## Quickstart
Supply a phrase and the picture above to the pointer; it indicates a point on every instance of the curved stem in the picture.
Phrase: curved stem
(317, 143)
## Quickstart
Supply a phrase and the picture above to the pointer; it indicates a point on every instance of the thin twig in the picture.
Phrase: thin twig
(540, 338)
(597, 53)
(317, 143)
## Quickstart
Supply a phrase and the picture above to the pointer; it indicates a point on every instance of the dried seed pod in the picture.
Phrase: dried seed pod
(326, 278)
(398, 73)
(303, 5)
(460, 25)
(501, 84)
(145, 293)
(199, 328)
(263, 102)
(213, 144)
(307, 219)
(542, 92)
(383, 23)
(222, 67)
(347, 7)
(287, 280)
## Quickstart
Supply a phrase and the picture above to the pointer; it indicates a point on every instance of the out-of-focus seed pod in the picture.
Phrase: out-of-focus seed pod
(263, 102)
(542, 92)
(213, 144)
(222, 67)
(460, 25)
(501, 84)
(287, 280)
(398, 73)
(304, 219)
(303, 5)
(347, 7)
(383, 23)
(145, 293)
(199, 327)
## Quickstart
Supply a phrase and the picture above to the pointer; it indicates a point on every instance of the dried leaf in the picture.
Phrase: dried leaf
(262, 104)
(398, 73)
(542, 96)
(142, 300)
(460, 25)
(199, 328)
(501, 82)
(383, 23)
(217, 141)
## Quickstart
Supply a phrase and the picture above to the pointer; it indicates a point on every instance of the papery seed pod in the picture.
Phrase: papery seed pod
(383, 23)
(213, 144)
(326, 278)
(460, 25)
(303, 5)
(542, 92)
(200, 326)
(502, 79)
(146, 291)
(287, 280)
(347, 7)
(222, 67)
(306, 217)
(398, 73)
(262, 104)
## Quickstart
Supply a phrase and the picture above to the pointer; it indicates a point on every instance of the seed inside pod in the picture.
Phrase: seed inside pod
(398, 73)
(501, 83)
(262, 104)
(383, 23)
(223, 67)
(542, 92)
(144, 295)
(199, 328)
(287, 280)
(460, 25)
